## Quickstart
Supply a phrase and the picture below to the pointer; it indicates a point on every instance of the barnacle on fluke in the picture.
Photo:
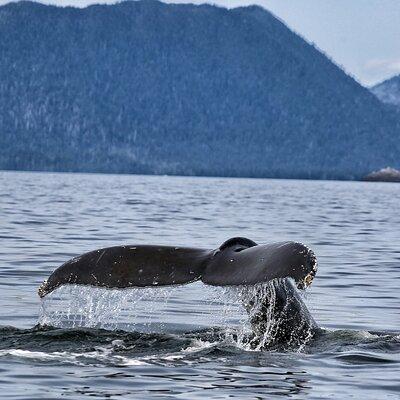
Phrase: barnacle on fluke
(42, 289)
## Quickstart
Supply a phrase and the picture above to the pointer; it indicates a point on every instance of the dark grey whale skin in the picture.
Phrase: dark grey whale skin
(238, 261)
(282, 318)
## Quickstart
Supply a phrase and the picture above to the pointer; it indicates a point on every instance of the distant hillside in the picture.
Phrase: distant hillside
(146, 87)
(388, 91)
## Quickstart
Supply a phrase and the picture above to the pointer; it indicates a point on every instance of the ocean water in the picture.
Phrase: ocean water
(190, 341)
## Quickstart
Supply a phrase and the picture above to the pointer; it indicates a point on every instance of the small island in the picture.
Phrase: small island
(384, 175)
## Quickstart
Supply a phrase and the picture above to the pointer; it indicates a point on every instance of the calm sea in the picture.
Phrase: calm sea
(188, 342)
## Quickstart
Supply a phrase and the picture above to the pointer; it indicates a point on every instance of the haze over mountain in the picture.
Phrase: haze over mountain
(388, 91)
(146, 87)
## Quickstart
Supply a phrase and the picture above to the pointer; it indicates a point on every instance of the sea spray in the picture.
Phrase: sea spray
(149, 309)
(234, 310)
(276, 317)
(77, 306)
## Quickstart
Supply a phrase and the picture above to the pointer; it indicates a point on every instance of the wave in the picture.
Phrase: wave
(90, 346)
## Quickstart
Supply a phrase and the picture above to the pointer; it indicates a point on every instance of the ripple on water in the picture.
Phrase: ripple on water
(184, 344)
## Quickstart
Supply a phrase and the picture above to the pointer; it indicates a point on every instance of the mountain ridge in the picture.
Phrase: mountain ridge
(148, 87)
(388, 91)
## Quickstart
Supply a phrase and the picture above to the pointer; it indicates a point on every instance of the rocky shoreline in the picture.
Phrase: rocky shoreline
(384, 175)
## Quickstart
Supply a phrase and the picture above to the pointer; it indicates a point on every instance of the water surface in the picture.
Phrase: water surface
(189, 342)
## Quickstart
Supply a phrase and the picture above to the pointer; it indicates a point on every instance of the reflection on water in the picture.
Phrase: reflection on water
(185, 342)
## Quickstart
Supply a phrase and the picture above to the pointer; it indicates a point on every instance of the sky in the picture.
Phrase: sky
(362, 36)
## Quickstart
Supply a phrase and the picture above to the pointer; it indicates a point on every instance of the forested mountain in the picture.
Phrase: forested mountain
(388, 91)
(148, 87)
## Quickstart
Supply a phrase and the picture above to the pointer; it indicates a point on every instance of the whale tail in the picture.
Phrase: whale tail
(276, 311)
(237, 262)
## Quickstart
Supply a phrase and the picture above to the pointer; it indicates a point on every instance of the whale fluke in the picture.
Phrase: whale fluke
(238, 261)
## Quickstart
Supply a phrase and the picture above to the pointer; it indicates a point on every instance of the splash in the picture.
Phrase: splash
(277, 315)
(77, 306)
(144, 309)
(247, 316)
(253, 299)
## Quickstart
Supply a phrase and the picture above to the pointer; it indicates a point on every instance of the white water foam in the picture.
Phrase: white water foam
(97, 357)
